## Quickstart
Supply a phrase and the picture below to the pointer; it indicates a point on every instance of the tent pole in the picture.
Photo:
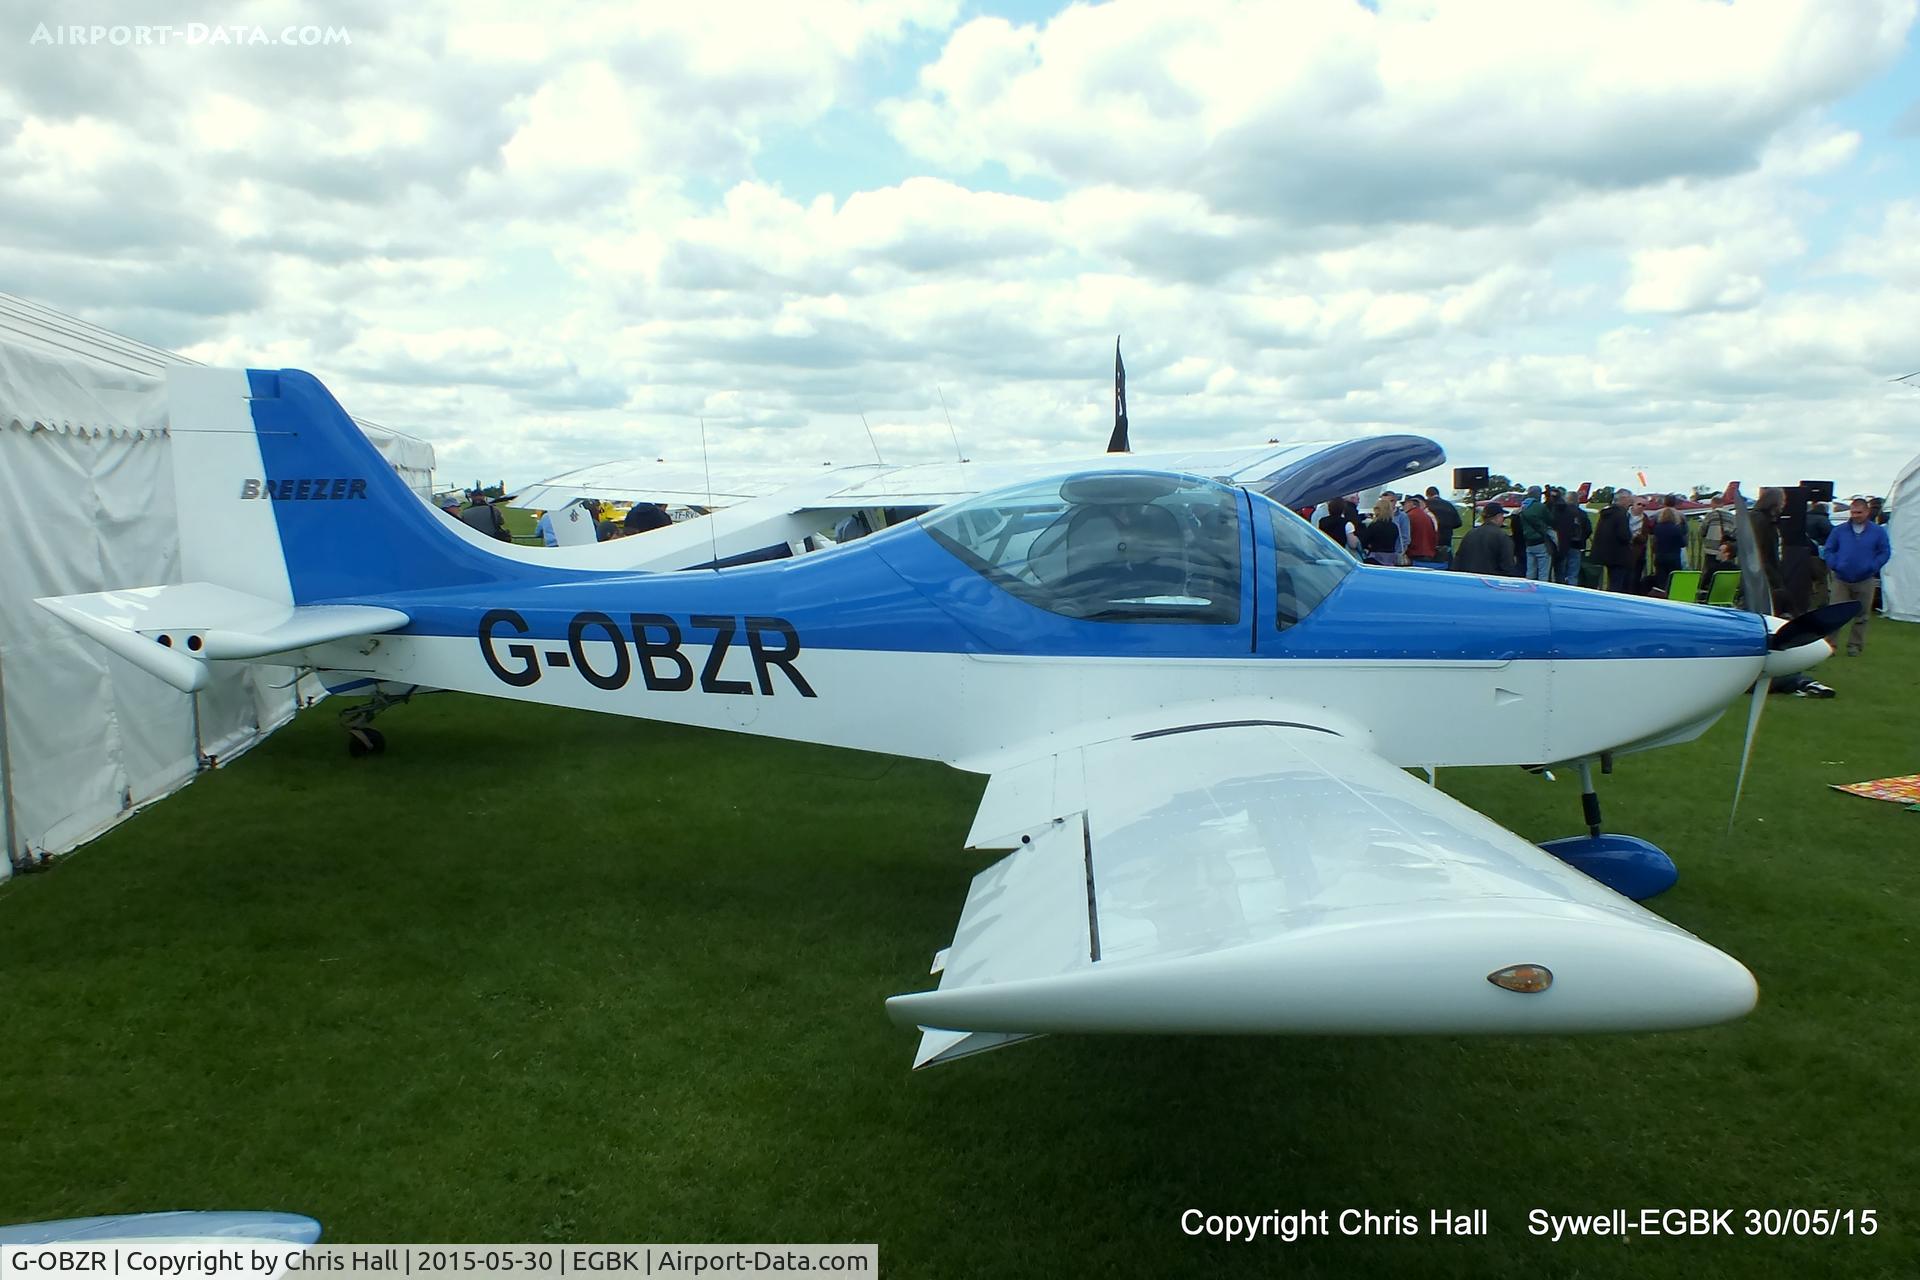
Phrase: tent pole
(6, 777)
(199, 746)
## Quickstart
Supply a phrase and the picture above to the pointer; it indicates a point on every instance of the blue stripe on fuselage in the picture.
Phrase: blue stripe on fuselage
(901, 591)
(1443, 616)
(1602, 624)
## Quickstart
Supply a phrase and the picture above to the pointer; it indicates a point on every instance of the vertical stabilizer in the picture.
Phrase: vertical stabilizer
(284, 498)
(216, 454)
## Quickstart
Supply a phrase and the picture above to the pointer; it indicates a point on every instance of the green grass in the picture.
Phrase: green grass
(538, 975)
(520, 523)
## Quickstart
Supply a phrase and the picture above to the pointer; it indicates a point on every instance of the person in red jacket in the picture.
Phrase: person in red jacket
(1423, 535)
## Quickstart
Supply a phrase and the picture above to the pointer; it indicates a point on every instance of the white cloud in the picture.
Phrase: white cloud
(583, 119)
(1892, 253)
(1572, 237)
(1690, 278)
(1325, 112)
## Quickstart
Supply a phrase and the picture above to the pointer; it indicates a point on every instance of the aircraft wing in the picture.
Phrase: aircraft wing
(1260, 878)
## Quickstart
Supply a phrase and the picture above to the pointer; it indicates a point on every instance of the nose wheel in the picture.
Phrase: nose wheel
(1627, 865)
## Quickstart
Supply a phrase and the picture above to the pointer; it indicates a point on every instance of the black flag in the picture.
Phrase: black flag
(1119, 443)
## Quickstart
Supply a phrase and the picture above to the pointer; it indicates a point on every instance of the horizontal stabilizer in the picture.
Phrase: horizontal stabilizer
(173, 632)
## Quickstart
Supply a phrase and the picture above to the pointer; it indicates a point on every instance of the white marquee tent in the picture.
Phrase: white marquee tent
(86, 484)
(1900, 583)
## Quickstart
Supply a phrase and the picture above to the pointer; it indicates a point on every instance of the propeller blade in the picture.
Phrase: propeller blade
(1746, 750)
(1817, 625)
(1755, 590)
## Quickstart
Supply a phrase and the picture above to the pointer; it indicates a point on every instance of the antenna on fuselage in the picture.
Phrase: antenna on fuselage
(949, 417)
(706, 465)
(872, 441)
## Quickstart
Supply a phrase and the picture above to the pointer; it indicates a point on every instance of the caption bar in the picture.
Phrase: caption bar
(263, 1260)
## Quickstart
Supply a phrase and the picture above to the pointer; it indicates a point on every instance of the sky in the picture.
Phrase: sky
(1570, 241)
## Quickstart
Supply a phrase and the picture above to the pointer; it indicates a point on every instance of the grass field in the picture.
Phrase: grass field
(539, 975)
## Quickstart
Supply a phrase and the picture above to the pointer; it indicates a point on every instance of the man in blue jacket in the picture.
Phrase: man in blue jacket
(1855, 553)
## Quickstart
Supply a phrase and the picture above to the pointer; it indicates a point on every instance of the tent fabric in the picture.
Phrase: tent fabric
(86, 480)
(80, 379)
(1900, 581)
(89, 737)
(69, 396)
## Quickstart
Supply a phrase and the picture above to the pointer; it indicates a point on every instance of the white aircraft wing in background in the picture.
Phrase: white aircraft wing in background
(1291, 474)
(1347, 466)
(1263, 878)
(758, 516)
(657, 480)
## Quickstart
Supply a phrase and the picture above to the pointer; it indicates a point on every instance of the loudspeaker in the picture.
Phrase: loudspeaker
(1817, 490)
(1793, 515)
(1470, 478)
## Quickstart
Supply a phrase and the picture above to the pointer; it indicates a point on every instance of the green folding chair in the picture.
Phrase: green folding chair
(1726, 585)
(1684, 585)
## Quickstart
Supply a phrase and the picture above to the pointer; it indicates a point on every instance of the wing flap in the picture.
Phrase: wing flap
(1266, 879)
(174, 631)
(1026, 915)
(1022, 801)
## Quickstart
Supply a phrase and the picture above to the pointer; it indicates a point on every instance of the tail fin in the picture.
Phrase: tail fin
(282, 497)
(288, 515)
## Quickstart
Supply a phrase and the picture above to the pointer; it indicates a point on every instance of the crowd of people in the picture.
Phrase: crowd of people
(1397, 530)
(483, 513)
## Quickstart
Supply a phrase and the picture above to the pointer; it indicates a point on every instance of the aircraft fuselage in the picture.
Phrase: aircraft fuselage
(893, 645)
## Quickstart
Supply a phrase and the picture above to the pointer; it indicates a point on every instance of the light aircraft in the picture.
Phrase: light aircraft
(1191, 707)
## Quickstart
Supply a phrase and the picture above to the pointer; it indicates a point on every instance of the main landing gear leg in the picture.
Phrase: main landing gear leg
(1625, 864)
(362, 738)
(1589, 799)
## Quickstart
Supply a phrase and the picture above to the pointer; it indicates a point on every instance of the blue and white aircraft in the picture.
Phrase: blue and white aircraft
(1190, 705)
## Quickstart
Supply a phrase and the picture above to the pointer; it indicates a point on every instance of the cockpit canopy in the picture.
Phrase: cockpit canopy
(1107, 546)
(1134, 546)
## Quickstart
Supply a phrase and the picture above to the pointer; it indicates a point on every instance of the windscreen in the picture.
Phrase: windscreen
(1308, 565)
